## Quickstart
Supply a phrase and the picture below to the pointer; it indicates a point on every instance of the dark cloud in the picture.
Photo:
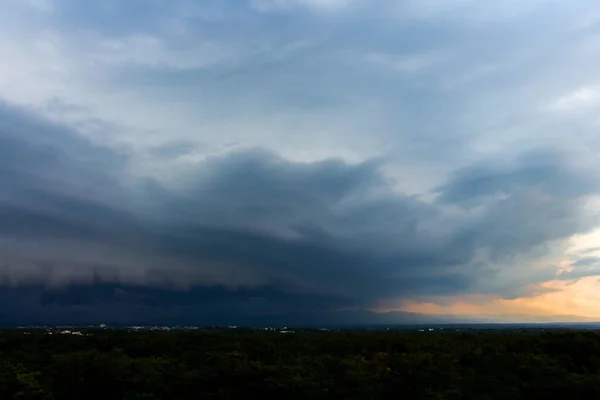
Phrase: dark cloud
(251, 233)
(582, 268)
(146, 305)
(585, 262)
(523, 202)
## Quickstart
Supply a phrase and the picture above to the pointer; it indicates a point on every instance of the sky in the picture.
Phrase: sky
(205, 161)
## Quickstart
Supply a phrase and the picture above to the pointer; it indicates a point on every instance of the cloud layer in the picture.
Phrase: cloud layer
(304, 158)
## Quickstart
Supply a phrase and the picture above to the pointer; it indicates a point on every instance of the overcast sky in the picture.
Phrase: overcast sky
(262, 157)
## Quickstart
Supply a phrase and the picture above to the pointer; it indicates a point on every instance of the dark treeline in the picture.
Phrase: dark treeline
(183, 365)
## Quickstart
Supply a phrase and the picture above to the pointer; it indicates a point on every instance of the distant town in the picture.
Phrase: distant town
(90, 329)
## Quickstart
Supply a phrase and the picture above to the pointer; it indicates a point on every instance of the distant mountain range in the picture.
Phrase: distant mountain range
(365, 317)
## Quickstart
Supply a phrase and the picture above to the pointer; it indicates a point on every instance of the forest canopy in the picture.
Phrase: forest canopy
(238, 364)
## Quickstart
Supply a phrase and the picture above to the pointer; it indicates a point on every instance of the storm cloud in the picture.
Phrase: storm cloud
(232, 161)
(253, 230)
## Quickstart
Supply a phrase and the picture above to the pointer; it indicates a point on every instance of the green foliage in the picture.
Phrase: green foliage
(307, 365)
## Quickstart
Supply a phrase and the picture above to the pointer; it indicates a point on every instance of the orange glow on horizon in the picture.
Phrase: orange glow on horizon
(578, 300)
